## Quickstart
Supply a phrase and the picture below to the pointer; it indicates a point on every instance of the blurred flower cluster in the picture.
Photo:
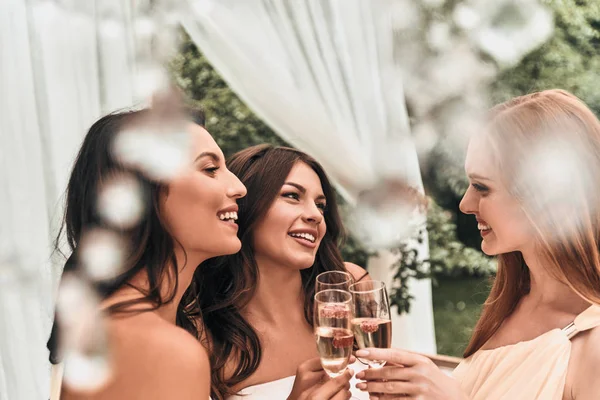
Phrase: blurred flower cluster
(154, 149)
(447, 53)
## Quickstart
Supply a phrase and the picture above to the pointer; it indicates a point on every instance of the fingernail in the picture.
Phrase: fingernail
(351, 371)
(361, 385)
(360, 375)
(362, 353)
(371, 397)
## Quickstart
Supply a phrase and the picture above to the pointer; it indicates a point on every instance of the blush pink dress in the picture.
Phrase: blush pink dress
(531, 370)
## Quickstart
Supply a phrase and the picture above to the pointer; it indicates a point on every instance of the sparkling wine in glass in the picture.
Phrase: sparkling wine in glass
(371, 322)
(333, 312)
(333, 280)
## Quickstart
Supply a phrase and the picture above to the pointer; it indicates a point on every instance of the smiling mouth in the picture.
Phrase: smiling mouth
(230, 216)
(304, 236)
(483, 227)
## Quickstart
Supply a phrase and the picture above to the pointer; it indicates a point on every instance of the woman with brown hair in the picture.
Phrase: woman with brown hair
(257, 305)
(533, 188)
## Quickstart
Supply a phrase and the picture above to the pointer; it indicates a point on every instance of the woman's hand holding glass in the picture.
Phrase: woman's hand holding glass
(406, 375)
(312, 383)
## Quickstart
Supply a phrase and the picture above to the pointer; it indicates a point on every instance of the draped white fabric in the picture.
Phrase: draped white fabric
(57, 76)
(322, 74)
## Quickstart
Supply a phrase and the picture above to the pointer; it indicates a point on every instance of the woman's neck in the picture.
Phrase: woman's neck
(139, 284)
(547, 291)
(279, 295)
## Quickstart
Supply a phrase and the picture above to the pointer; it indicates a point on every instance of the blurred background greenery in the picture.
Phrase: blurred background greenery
(461, 272)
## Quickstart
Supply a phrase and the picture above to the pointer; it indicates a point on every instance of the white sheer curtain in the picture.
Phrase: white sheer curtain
(322, 74)
(57, 76)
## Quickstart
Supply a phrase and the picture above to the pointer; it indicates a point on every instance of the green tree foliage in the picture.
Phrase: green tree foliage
(448, 257)
(570, 60)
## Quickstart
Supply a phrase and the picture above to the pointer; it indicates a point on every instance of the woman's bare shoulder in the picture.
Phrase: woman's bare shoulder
(586, 384)
(356, 271)
(166, 359)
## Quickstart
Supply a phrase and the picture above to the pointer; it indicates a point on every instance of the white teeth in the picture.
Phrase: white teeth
(306, 236)
(483, 227)
(232, 215)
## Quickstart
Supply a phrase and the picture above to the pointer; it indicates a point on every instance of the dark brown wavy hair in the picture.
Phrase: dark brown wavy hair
(150, 246)
(226, 284)
(568, 233)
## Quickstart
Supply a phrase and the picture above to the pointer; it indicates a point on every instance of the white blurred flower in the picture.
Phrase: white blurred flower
(86, 372)
(461, 119)
(558, 186)
(509, 29)
(439, 35)
(466, 17)
(121, 201)
(149, 79)
(425, 136)
(101, 254)
(444, 77)
(160, 154)
(76, 300)
(387, 215)
(554, 172)
(83, 338)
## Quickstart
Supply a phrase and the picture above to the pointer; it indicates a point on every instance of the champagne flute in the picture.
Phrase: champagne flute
(333, 312)
(371, 322)
(333, 280)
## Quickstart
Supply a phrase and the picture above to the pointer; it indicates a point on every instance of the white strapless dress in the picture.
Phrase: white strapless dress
(281, 388)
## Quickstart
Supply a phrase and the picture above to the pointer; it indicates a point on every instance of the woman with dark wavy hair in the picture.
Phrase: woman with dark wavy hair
(257, 305)
(189, 219)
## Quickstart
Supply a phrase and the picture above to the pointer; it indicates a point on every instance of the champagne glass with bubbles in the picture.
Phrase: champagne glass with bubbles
(332, 316)
(333, 280)
(371, 322)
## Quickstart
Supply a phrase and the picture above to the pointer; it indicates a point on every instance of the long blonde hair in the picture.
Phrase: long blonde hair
(567, 222)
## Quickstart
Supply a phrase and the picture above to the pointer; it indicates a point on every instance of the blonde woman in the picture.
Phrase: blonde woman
(538, 334)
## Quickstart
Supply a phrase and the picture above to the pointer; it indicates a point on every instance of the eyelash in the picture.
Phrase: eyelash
(479, 188)
(291, 195)
(295, 196)
(211, 171)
